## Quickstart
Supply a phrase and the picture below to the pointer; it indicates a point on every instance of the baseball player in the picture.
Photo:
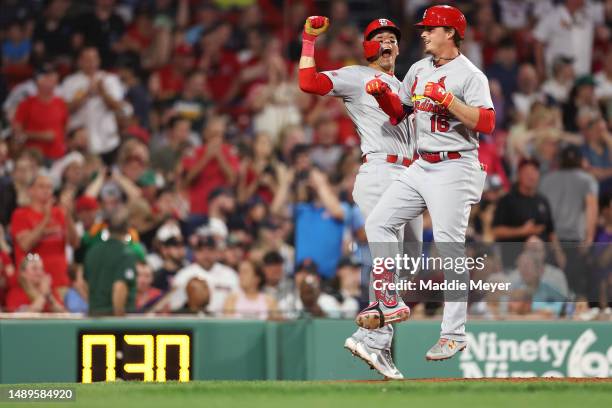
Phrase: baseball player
(387, 149)
(452, 104)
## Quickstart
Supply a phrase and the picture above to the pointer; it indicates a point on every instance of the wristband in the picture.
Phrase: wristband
(307, 48)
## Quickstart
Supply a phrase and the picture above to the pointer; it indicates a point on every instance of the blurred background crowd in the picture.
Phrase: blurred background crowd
(157, 156)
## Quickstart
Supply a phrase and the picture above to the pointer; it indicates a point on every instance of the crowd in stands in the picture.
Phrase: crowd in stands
(157, 156)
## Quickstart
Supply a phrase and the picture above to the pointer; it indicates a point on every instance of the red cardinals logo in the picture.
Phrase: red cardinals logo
(441, 82)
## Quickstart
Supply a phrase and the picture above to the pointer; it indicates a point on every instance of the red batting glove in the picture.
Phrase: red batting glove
(314, 26)
(436, 92)
(377, 87)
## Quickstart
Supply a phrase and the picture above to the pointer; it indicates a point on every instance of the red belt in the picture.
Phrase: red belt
(391, 158)
(439, 156)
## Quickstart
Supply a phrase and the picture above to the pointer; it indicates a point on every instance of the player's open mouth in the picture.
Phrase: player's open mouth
(386, 52)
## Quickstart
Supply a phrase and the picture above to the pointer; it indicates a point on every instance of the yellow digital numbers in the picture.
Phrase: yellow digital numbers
(153, 365)
(106, 340)
(165, 340)
(146, 367)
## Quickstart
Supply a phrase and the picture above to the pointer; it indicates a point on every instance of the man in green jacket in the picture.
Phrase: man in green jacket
(110, 270)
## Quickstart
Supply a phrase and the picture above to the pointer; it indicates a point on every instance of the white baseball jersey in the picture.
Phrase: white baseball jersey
(437, 129)
(375, 130)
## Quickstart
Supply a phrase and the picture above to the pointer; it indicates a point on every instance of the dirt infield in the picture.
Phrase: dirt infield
(493, 380)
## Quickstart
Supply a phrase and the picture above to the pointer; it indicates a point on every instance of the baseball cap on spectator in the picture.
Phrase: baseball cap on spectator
(45, 68)
(561, 61)
(86, 203)
(529, 161)
(148, 179)
(584, 80)
(169, 234)
(203, 237)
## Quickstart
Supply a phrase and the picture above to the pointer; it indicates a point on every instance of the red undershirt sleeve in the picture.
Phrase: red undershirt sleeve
(314, 82)
(486, 121)
(391, 104)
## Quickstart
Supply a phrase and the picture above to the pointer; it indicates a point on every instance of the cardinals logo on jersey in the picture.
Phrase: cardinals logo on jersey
(441, 82)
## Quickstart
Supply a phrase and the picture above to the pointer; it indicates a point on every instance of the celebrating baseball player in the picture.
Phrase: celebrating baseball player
(387, 149)
(452, 104)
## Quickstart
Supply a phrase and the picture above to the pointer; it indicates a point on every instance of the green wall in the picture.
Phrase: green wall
(46, 350)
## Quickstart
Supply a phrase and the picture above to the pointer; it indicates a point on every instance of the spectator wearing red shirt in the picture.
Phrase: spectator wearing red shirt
(44, 228)
(34, 292)
(7, 270)
(40, 121)
(221, 65)
(492, 161)
(213, 165)
(168, 82)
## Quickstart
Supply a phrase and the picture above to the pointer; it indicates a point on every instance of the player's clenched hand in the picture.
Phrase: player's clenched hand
(377, 87)
(315, 26)
(437, 93)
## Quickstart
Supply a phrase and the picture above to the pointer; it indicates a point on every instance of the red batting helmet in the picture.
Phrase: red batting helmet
(444, 16)
(378, 25)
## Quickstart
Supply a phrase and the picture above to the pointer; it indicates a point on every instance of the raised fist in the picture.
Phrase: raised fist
(316, 25)
(437, 93)
(377, 87)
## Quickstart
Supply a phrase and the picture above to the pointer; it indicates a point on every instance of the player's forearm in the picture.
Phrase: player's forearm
(591, 217)
(331, 202)
(120, 294)
(391, 104)
(307, 61)
(29, 239)
(310, 80)
(196, 170)
(478, 119)
(43, 136)
(228, 171)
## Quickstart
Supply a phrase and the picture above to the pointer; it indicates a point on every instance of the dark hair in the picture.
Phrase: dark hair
(260, 275)
(273, 258)
(74, 131)
(571, 157)
(176, 119)
(456, 38)
(529, 161)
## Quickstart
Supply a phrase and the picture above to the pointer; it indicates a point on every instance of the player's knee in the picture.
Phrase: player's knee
(376, 229)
